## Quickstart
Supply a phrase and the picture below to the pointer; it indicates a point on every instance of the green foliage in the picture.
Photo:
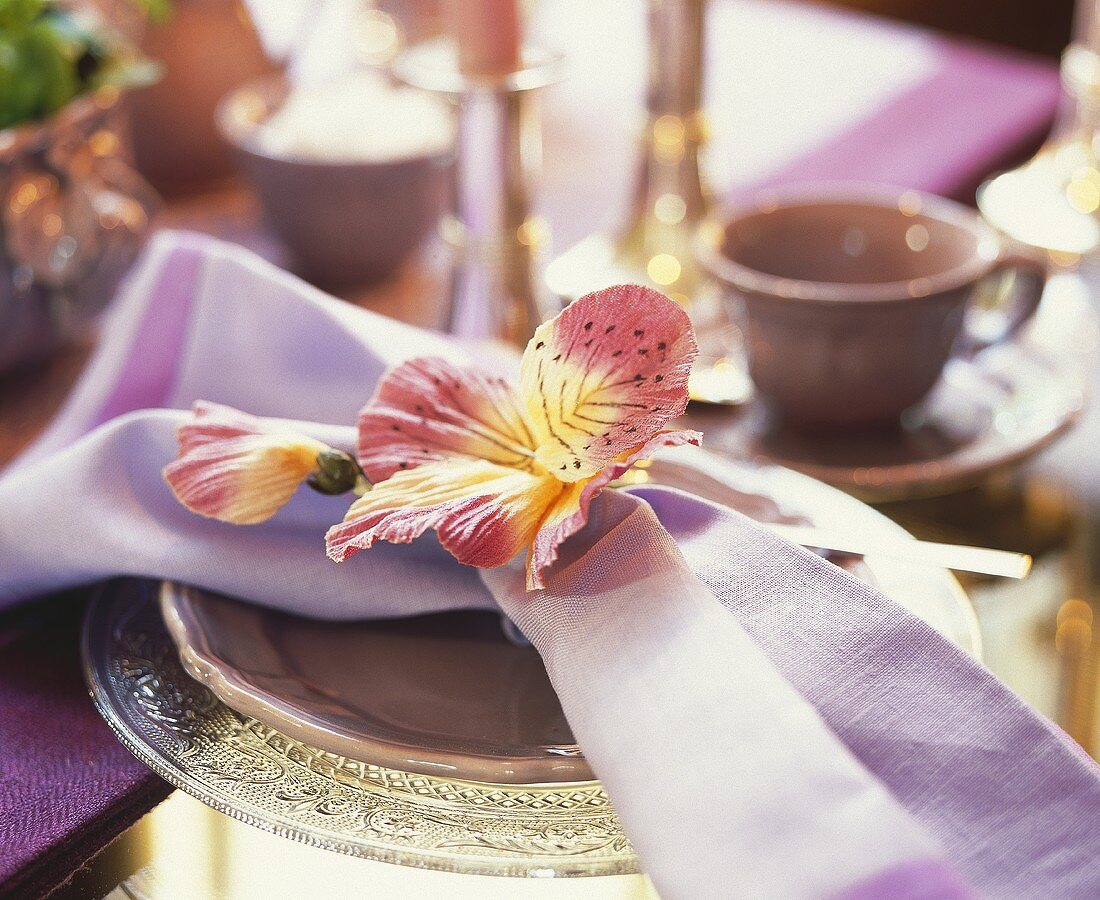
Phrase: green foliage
(157, 10)
(49, 56)
(16, 14)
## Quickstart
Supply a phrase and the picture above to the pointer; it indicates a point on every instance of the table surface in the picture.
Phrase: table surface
(1037, 634)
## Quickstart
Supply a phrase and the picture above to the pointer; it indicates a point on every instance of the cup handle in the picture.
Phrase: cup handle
(1031, 267)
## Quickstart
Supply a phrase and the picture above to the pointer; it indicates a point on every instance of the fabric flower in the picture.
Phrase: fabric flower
(237, 468)
(496, 471)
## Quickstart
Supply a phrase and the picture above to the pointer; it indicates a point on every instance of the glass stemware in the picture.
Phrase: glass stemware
(1053, 200)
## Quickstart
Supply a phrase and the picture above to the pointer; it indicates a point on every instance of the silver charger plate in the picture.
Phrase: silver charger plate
(258, 774)
(253, 773)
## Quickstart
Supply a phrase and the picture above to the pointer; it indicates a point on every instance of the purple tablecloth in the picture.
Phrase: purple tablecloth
(67, 787)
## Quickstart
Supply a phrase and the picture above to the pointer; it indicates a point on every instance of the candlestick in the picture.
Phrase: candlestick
(670, 199)
(494, 238)
(671, 202)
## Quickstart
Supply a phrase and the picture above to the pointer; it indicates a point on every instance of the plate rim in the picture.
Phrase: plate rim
(203, 668)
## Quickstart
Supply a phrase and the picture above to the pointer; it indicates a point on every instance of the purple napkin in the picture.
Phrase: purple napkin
(928, 771)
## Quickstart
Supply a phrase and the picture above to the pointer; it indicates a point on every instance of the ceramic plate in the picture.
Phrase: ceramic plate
(258, 775)
(447, 694)
(987, 414)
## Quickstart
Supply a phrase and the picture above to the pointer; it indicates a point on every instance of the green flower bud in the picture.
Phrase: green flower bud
(337, 473)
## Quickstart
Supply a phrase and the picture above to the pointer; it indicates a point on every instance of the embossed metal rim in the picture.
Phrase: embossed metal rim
(501, 830)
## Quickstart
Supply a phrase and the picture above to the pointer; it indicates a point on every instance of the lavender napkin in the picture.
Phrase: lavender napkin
(1007, 795)
(838, 745)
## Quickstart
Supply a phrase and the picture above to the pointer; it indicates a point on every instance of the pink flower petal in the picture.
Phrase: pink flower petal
(237, 468)
(569, 512)
(459, 451)
(212, 422)
(428, 409)
(604, 376)
(484, 513)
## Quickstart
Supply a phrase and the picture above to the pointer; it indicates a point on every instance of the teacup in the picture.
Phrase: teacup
(856, 296)
(346, 222)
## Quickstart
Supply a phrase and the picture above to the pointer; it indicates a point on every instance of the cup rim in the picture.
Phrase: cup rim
(267, 93)
(990, 247)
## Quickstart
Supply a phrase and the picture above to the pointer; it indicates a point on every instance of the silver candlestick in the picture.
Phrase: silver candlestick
(494, 238)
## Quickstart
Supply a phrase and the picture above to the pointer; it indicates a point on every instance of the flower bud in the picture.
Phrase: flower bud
(337, 473)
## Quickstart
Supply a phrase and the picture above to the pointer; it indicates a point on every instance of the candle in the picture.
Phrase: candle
(487, 33)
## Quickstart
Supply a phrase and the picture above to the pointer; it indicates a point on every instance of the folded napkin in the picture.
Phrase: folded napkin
(831, 744)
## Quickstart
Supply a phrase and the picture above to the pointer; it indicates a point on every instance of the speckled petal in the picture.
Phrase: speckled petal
(569, 512)
(235, 467)
(604, 376)
(428, 409)
(484, 513)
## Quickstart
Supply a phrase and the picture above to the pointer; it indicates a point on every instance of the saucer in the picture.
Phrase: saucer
(447, 695)
(987, 414)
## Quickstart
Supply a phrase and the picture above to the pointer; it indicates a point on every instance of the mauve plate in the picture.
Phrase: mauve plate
(258, 775)
(447, 694)
(986, 414)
